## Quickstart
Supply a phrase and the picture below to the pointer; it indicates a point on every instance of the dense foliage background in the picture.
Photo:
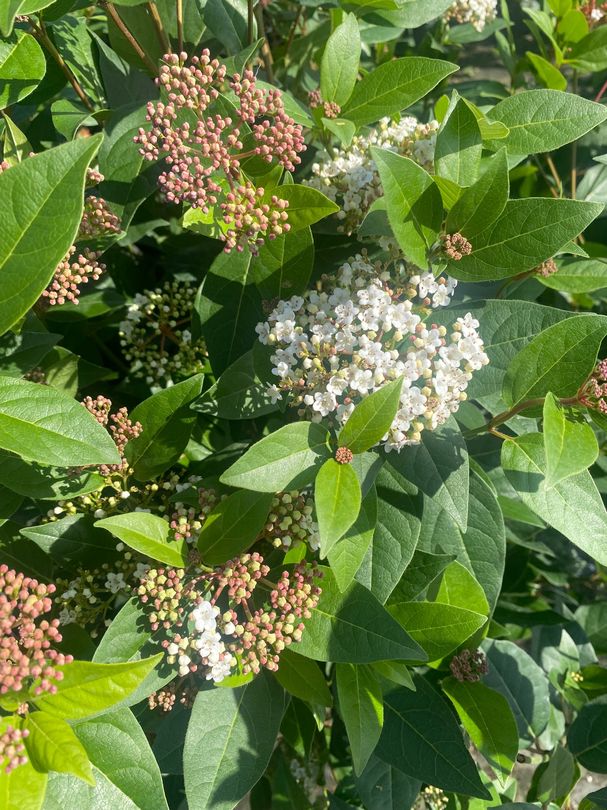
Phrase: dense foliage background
(303, 404)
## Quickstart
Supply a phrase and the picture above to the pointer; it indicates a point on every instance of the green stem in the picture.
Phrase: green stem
(42, 36)
(525, 405)
(119, 23)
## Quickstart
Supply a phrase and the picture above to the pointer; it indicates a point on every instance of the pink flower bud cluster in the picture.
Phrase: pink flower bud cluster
(594, 391)
(27, 655)
(547, 268)
(202, 144)
(330, 108)
(97, 219)
(12, 749)
(187, 520)
(93, 177)
(469, 665)
(71, 274)
(456, 246)
(4, 165)
(122, 429)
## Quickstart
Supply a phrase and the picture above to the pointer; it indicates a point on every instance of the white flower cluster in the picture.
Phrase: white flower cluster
(478, 13)
(334, 346)
(155, 338)
(350, 177)
(205, 643)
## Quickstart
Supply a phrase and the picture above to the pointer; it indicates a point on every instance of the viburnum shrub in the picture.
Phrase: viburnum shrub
(303, 404)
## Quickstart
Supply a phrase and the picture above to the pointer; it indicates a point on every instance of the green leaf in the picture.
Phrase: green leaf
(577, 275)
(439, 467)
(483, 202)
(459, 587)
(41, 204)
(72, 538)
(569, 444)
(23, 352)
(287, 459)
(544, 120)
(340, 59)
(44, 425)
(148, 534)
(590, 53)
(516, 676)
(557, 360)
(306, 205)
(284, 265)
(23, 788)
(346, 557)
(371, 418)
(488, 719)
(549, 75)
(554, 779)
(167, 423)
(22, 67)
(439, 629)
(593, 619)
(587, 738)
(362, 709)
(124, 768)
(413, 202)
(396, 534)
(353, 627)
(423, 569)
(459, 146)
(337, 499)
(526, 233)
(303, 678)
(88, 687)
(228, 308)
(573, 506)
(53, 746)
(233, 525)
(422, 739)
(394, 86)
(230, 739)
(382, 787)
(227, 20)
(45, 483)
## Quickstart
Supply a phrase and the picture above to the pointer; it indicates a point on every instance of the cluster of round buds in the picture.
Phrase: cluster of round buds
(349, 176)
(594, 391)
(291, 521)
(71, 273)
(343, 455)
(163, 592)
(37, 375)
(547, 268)
(251, 219)
(27, 654)
(330, 109)
(4, 165)
(469, 665)
(12, 749)
(156, 337)
(478, 13)
(182, 691)
(595, 12)
(456, 246)
(93, 177)
(202, 145)
(186, 520)
(434, 798)
(239, 577)
(122, 429)
(362, 329)
(97, 219)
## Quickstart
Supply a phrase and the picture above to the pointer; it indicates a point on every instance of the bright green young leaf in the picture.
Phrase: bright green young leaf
(488, 719)
(587, 738)
(148, 534)
(41, 424)
(303, 678)
(573, 507)
(233, 525)
(88, 688)
(569, 444)
(306, 205)
(544, 120)
(41, 204)
(362, 709)
(413, 202)
(353, 627)
(339, 64)
(527, 232)
(22, 66)
(438, 628)
(590, 52)
(337, 499)
(284, 265)
(24, 788)
(394, 86)
(53, 746)
(287, 459)
(230, 737)
(483, 201)
(346, 557)
(422, 738)
(459, 145)
(549, 75)
(167, 423)
(459, 587)
(371, 418)
(559, 359)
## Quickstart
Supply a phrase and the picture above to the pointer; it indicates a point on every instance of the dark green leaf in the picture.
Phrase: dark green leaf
(233, 526)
